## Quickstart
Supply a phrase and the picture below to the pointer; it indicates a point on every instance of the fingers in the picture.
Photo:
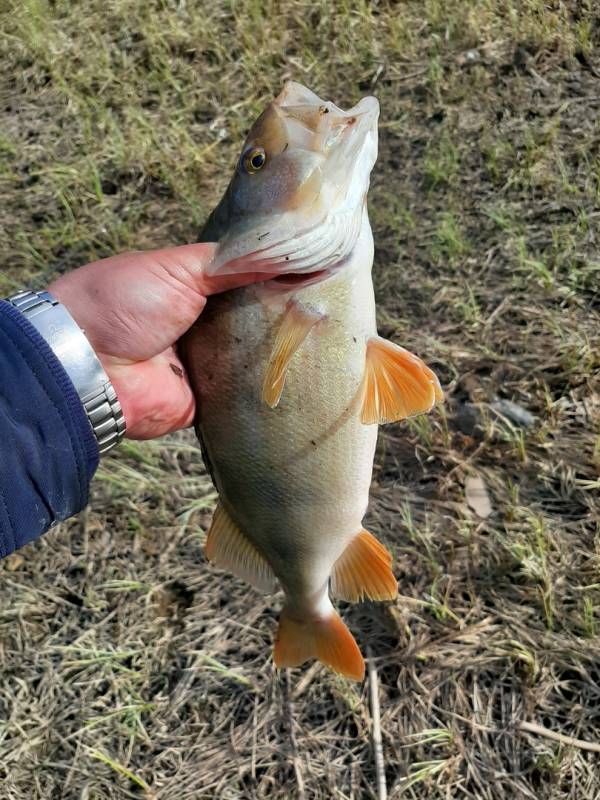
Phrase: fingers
(194, 260)
(155, 395)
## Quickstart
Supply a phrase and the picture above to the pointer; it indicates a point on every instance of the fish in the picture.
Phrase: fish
(291, 378)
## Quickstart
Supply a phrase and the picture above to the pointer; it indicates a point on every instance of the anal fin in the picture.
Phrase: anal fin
(228, 548)
(327, 639)
(294, 329)
(364, 570)
(397, 384)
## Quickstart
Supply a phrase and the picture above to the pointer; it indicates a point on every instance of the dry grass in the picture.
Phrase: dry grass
(129, 667)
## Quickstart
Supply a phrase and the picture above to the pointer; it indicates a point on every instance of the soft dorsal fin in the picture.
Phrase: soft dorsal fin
(228, 548)
(364, 570)
(294, 329)
(327, 639)
(397, 384)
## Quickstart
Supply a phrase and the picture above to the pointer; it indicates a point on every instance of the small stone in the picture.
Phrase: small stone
(514, 413)
(468, 58)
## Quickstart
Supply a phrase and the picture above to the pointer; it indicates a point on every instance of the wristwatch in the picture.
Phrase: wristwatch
(70, 345)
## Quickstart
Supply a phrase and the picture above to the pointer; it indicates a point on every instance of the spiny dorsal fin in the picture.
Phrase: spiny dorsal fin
(396, 385)
(364, 570)
(327, 639)
(294, 329)
(228, 548)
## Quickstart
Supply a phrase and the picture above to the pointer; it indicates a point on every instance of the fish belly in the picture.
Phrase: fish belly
(295, 478)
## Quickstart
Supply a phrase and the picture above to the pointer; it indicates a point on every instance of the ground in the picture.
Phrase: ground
(131, 668)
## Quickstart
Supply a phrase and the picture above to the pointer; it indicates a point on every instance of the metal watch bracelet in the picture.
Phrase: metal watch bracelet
(70, 345)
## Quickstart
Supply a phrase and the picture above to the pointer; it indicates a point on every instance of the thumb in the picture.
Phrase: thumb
(196, 258)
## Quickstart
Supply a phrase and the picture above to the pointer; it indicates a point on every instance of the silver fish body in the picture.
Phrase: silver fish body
(295, 479)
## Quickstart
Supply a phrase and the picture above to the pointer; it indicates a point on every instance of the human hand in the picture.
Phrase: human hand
(133, 308)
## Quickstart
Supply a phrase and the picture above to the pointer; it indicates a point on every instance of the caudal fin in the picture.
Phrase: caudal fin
(328, 639)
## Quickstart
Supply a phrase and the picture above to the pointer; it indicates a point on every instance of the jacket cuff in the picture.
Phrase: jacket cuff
(48, 450)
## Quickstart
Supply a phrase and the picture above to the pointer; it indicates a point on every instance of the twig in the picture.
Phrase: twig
(377, 745)
(254, 738)
(533, 727)
(306, 680)
(84, 528)
(293, 741)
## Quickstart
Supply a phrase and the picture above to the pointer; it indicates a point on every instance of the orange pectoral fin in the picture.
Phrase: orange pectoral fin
(328, 639)
(294, 329)
(396, 384)
(364, 570)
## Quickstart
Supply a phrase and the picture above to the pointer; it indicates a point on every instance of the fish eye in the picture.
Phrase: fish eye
(254, 159)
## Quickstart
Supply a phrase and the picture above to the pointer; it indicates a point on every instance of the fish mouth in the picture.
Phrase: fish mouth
(321, 126)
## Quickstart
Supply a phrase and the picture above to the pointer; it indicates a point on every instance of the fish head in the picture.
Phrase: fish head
(295, 202)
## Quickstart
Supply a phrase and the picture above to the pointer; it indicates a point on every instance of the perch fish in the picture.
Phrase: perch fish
(291, 378)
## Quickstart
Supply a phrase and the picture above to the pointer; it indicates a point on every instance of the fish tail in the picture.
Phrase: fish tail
(327, 639)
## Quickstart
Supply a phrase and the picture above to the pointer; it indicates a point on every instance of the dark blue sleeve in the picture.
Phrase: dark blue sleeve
(48, 453)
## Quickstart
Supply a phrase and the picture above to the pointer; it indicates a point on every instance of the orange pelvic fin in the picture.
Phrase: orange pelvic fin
(228, 548)
(364, 570)
(397, 384)
(294, 329)
(328, 639)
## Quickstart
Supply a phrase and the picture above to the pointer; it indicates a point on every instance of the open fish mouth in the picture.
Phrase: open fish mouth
(323, 127)
(296, 280)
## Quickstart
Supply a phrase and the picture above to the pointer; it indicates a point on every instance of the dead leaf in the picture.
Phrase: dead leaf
(477, 496)
(14, 561)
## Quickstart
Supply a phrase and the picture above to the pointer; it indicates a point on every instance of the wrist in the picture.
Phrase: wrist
(55, 324)
(122, 375)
